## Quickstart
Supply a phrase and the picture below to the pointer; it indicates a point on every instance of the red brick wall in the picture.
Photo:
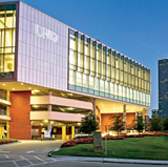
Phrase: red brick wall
(130, 117)
(20, 126)
(105, 119)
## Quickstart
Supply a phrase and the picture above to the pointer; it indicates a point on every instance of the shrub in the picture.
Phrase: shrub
(69, 143)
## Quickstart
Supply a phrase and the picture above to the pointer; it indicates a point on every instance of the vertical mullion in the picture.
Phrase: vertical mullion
(76, 51)
(83, 54)
(89, 51)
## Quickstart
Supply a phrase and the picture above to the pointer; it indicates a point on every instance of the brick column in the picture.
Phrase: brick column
(20, 126)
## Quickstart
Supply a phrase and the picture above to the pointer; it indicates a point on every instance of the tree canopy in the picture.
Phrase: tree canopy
(139, 125)
(118, 123)
(156, 123)
(89, 124)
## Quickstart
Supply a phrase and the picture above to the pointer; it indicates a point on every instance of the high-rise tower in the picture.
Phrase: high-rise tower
(163, 87)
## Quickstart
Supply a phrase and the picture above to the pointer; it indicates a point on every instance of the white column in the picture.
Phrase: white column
(124, 116)
(49, 107)
(50, 92)
(49, 125)
(94, 107)
(144, 118)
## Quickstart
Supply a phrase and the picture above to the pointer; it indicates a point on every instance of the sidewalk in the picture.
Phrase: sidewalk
(109, 160)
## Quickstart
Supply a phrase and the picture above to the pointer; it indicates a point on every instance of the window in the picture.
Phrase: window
(72, 77)
(7, 38)
(99, 70)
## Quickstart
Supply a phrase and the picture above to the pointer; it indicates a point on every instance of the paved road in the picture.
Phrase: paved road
(34, 153)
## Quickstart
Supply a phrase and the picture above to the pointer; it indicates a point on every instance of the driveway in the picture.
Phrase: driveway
(34, 153)
(27, 153)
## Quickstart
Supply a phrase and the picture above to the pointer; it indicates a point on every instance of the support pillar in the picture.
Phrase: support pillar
(124, 117)
(136, 115)
(72, 132)
(8, 96)
(94, 107)
(144, 118)
(63, 132)
(7, 129)
(49, 107)
(50, 92)
(49, 126)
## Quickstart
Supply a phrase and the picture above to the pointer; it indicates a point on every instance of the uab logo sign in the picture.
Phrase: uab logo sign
(45, 33)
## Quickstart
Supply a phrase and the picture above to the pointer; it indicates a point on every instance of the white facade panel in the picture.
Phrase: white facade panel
(42, 61)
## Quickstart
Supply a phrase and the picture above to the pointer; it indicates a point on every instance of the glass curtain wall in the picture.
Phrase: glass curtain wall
(98, 70)
(7, 38)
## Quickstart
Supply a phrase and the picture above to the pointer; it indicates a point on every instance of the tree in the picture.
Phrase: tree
(118, 123)
(156, 123)
(89, 124)
(165, 124)
(139, 125)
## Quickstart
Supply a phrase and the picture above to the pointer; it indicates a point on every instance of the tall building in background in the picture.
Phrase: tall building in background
(163, 87)
(52, 75)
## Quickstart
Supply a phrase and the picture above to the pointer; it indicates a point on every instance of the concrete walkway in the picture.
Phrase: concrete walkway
(109, 160)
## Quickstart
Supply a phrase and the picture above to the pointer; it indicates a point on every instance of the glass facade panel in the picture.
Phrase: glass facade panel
(7, 38)
(97, 69)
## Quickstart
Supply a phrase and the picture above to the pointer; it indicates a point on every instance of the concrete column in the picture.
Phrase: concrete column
(8, 107)
(144, 118)
(49, 126)
(94, 107)
(7, 129)
(136, 115)
(72, 132)
(8, 95)
(63, 132)
(50, 92)
(49, 107)
(124, 116)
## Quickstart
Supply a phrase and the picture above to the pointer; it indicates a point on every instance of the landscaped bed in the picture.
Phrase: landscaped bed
(148, 147)
(7, 141)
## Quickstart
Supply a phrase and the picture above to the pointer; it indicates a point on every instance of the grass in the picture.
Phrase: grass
(155, 148)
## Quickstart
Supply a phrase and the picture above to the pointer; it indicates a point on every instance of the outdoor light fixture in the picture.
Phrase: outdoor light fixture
(35, 91)
(45, 120)
(21, 83)
(4, 84)
(13, 88)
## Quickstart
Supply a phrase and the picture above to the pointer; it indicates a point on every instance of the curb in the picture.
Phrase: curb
(109, 160)
(135, 161)
(3, 145)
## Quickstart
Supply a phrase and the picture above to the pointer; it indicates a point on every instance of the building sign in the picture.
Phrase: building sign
(6, 75)
(45, 33)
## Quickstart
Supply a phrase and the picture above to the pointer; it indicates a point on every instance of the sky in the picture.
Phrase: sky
(136, 28)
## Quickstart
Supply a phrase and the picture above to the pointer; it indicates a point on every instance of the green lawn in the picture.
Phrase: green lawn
(134, 148)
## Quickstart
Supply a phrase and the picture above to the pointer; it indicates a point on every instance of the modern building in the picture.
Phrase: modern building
(163, 87)
(51, 75)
